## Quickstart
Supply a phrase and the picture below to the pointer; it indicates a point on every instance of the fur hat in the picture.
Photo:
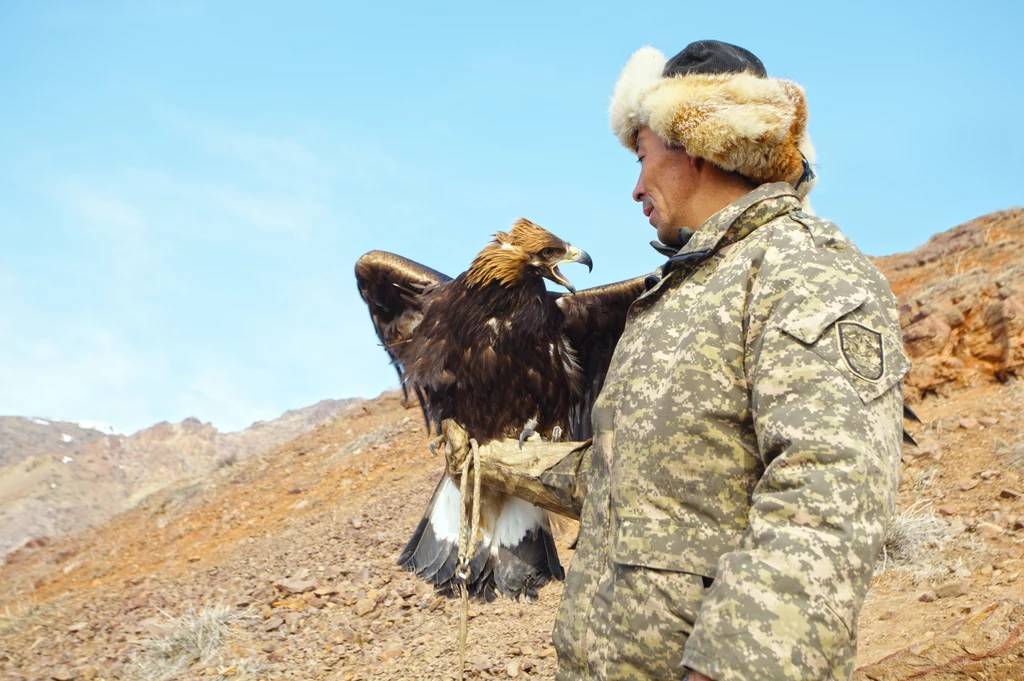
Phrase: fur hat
(717, 101)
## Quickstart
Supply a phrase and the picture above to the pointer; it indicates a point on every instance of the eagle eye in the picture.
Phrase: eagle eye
(549, 252)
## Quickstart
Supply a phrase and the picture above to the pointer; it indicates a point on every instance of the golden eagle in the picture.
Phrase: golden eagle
(497, 352)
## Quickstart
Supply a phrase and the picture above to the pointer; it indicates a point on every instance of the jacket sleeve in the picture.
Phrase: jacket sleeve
(826, 404)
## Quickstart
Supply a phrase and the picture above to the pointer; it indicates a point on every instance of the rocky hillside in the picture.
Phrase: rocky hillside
(962, 304)
(58, 477)
(289, 556)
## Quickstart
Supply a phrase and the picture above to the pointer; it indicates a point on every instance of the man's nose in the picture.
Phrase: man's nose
(638, 190)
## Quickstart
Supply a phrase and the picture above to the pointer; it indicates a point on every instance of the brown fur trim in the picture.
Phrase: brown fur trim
(738, 121)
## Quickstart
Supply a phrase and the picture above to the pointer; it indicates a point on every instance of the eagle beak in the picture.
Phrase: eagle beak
(579, 255)
(573, 254)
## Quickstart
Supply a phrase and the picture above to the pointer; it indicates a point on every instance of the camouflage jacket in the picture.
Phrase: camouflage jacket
(745, 459)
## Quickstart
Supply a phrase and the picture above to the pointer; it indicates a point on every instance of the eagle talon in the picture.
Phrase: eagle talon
(439, 441)
(556, 434)
(523, 436)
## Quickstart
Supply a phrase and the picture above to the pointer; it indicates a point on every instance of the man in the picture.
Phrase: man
(747, 440)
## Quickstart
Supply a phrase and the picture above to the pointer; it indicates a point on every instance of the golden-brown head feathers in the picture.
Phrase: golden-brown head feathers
(525, 247)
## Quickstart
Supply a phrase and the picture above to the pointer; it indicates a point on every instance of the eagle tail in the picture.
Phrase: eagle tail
(523, 548)
(433, 550)
(515, 555)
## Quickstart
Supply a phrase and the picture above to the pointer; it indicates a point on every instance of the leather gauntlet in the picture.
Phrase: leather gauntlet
(551, 475)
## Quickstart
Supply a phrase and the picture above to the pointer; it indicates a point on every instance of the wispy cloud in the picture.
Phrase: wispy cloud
(280, 153)
(289, 212)
(120, 331)
(81, 369)
(100, 207)
(217, 389)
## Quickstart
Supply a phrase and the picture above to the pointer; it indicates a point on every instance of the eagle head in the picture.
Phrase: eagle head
(526, 249)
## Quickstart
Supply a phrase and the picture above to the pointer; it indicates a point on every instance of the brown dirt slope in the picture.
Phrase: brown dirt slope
(57, 478)
(300, 543)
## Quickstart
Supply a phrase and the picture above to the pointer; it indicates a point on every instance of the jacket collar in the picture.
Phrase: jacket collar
(732, 223)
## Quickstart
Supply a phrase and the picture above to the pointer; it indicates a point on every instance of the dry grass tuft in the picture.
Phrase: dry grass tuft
(926, 479)
(15, 617)
(190, 639)
(1016, 457)
(914, 537)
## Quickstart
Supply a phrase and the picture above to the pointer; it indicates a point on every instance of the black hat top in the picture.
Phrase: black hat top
(713, 56)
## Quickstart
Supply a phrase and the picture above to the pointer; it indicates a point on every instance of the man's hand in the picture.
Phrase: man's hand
(697, 676)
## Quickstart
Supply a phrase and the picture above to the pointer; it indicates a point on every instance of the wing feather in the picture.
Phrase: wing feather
(396, 289)
(594, 320)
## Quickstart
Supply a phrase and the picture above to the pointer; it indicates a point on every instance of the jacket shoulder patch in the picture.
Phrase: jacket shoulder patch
(861, 349)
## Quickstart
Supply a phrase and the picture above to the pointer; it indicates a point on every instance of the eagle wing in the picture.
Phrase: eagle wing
(396, 290)
(594, 320)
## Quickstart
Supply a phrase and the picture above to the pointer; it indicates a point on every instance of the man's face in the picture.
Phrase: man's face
(665, 185)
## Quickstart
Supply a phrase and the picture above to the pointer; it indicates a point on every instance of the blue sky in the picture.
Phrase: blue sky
(185, 186)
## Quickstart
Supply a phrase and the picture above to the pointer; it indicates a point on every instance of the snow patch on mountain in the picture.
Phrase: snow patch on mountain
(96, 425)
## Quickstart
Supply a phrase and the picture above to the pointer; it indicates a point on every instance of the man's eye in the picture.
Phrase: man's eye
(639, 159)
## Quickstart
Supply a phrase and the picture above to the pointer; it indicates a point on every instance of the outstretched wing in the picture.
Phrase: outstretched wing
(396, 290)
(594, 320)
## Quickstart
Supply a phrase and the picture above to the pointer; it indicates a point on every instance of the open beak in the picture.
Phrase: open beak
(572, 255)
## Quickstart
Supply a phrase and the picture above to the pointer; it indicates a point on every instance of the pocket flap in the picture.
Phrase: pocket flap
(809, 318)
(840, 328)
(665, 545)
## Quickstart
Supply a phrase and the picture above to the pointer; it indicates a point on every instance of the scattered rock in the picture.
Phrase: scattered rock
(988, 421)
(273, 623)
(988, 475)
(968, 423)
(364, 606)
(926, 597)
(357, 522)
(296, 586)
(968, 485)
(512, 669)
(1010, 494)
(953, 589)
(947, 509)
(62, 674)
(77, 626)
(988, 530)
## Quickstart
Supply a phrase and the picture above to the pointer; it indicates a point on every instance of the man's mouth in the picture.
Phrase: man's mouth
(648, 209)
